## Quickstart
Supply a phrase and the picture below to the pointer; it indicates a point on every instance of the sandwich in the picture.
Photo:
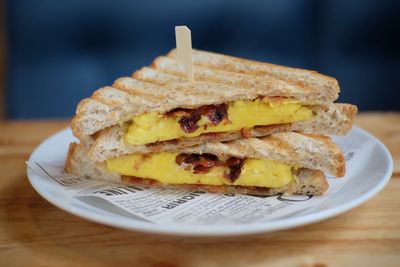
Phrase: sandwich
(235, 111)
(286, 162)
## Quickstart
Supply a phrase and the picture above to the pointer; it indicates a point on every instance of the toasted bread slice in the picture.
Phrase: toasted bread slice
(308, 78)
(310, 182)
(310, 151)
(307, 182)
(223, 79)
(214, 74)
(333, 119)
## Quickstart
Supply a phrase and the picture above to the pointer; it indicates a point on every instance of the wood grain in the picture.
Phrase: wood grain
(35, 233)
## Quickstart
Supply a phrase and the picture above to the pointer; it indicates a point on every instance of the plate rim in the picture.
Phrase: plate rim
(215, 230)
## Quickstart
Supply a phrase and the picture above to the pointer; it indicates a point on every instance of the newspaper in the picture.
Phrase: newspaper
(198, 207)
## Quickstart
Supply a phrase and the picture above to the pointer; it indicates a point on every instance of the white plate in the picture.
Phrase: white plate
(359, 187)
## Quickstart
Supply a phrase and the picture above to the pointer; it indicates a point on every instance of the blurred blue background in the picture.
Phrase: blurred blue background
(61, 51)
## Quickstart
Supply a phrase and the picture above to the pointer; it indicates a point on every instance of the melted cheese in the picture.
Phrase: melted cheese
(153, 127)
(163, 168)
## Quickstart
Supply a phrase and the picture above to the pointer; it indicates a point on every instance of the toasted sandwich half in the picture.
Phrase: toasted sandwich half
(241, 126)
(157, 109)
(288, 162)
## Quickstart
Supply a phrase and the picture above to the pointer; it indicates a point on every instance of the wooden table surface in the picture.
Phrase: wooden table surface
(35, 233)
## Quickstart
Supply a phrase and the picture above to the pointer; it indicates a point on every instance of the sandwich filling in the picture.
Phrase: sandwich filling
(154, 127)
(204, 169)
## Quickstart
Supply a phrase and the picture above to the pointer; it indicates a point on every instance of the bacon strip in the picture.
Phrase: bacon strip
(190, 117)
(202, 163)
(235, 168)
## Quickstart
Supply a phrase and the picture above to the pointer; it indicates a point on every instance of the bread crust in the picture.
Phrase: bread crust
(69, 160)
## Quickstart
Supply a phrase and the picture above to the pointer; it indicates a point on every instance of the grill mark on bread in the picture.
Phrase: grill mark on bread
(170, 82)
(118, 98)
(221, 75)
(150, 92)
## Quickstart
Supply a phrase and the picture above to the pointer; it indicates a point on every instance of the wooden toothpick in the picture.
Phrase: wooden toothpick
(184, 49)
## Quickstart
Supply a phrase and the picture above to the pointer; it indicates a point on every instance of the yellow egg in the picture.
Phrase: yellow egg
(163, 168)
(153, 127)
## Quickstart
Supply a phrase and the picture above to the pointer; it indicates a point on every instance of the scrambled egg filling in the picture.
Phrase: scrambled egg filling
(153, 127)
(163, 168)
